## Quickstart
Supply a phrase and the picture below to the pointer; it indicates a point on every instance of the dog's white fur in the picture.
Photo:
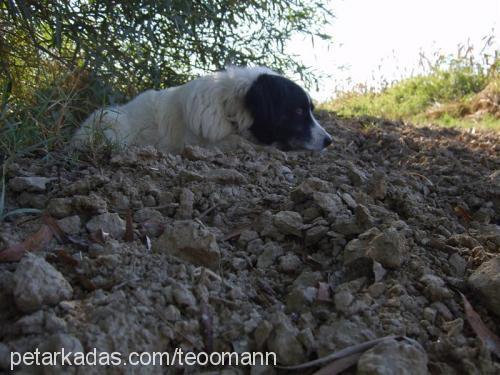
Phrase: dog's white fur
(202, 111)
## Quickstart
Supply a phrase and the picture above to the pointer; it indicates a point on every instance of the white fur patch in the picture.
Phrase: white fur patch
(202, 111)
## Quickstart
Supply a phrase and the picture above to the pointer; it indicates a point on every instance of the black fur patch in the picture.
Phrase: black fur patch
(281, 110)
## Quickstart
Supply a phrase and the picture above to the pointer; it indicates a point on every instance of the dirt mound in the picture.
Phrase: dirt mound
(255, 249)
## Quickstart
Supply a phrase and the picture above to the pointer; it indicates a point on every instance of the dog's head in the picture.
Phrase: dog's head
(282, 114)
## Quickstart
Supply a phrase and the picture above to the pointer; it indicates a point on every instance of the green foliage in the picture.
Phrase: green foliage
(60, 59)
(444, 95)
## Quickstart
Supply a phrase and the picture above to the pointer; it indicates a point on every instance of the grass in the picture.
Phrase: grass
(456, 92)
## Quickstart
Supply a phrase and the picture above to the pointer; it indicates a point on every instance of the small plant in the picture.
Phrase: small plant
(455, 90)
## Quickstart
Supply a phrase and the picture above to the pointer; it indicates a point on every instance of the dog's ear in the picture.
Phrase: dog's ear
(261, 100)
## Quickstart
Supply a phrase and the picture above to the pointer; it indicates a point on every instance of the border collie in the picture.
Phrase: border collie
(256, 103)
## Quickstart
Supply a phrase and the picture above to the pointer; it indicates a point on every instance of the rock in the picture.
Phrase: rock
(300, 299)
(435, 287)
(388, 248)
(458, 264)
(271, 251)
(33, 200)
(60, 207)
(190, 241)
(485, 281)
(89, 204)
(316, 234)
(261, 333)
(183, 296)
(288, 222)
(32, 323)
(37, 283)
(31, 184)
(226, 176)
(307, 278)
(186, 201)
(194, 153)
(394, 357)
(343, 300)
(110, 223)
(171, 313)
(289, 263)
(283, 341)
(70, 224)
(331, 204)
(355, 175)
(148, 214)
(377, 186)
(305, 190)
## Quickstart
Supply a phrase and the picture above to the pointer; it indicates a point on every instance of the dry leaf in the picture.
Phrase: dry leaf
(336, 367)
(490, 340)
(129, 228)
(36, 241)
(463, 214)
(55, 228)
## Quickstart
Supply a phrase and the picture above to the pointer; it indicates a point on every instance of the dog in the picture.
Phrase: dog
(253, 102)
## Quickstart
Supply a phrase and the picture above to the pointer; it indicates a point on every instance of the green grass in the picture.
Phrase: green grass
(459, 93)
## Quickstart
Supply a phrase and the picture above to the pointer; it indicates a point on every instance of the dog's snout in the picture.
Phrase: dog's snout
(327, 141)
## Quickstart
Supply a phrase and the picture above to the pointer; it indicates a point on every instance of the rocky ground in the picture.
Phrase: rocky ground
(256, 249)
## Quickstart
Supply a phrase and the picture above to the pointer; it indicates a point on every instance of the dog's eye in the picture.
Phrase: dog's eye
(299, 111)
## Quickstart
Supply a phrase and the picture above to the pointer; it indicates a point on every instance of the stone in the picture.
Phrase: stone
(31, 184)
(457, 264)
(305, 190)
(37, 283)
(284, 342)
(288, 222)
(435, 287)
(189, 240)
(388, 248)
(226, 176)
(271, 251)
(262, 332)
(343, 300)
(70, 224)
(186, 201)
(60, 207)
(289, 263)
(355, 175)
(300, 299)
(193, 152)
(110, 223)
(330, 203)
(147, 214)
(183, 296)
(377, 186)
(392, 357)
(89, 204)
(485, 281)
(316, 234)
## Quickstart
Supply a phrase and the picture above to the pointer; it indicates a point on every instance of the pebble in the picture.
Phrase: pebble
(288, 222)
(37, 283)
(485, 280)
(110, 223)
(31, 184)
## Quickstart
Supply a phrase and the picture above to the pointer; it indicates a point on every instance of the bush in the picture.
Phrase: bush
(128, 47)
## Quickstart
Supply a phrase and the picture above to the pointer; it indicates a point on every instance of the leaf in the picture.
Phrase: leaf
(336, 367)
(55, 228)
(463, 214)
(66, 258)
(343, 353)
(129, 228)
(490, 340)
(35, 242)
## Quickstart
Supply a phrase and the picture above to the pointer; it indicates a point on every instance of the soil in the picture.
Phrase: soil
(256, 249)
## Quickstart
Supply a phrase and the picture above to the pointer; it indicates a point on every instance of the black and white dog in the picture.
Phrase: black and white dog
(255, 103)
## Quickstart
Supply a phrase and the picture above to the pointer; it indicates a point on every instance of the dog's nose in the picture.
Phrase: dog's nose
(327, 141)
